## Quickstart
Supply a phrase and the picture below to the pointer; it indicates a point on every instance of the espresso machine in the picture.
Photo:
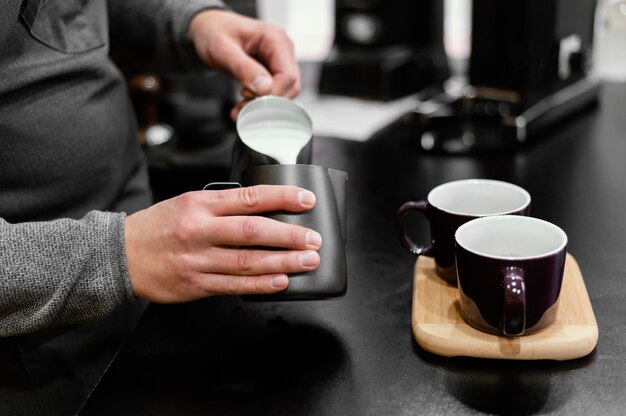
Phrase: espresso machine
(528, 70)
(384, 50)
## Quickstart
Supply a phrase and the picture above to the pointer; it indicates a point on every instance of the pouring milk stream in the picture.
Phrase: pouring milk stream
(269, 125)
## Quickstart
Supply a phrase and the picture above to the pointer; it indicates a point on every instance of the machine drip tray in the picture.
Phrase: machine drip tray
(445, 125)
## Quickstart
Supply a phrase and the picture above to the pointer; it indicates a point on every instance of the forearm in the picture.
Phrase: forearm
(156, 31)
(61, 272)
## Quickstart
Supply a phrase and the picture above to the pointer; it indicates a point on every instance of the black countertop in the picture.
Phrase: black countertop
(356, 355)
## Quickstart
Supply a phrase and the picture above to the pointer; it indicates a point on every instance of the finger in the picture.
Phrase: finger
(248, 71)
(248, 94)
(252, 262)
(276, 51)
(258, 199)
(280, 88)
(224, 284)
(293, 92)
(283, 86)
(286, 84)
(261, 231)
(237, 108)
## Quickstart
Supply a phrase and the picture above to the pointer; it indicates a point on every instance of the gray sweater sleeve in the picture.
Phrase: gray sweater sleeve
(69, 271)
(156, 31)
(61, 272)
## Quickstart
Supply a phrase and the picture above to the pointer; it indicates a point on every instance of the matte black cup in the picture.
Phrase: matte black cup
(452, 204)
(510, 270)
(328, 218)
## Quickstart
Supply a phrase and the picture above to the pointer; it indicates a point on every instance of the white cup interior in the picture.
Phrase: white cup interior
(511, 237)
(276, 127)
(479, 197)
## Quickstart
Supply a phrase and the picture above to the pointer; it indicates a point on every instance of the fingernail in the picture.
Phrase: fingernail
(313, 238)
(309, 258)
(279, 281)
(307, 198)
(261, 84)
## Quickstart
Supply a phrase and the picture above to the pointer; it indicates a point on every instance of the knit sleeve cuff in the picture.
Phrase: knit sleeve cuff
(119, 260)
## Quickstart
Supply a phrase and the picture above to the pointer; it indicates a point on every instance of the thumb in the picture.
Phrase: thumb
(248, 71)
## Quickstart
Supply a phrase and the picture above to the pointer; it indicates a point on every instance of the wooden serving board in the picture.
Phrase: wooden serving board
(438, 327)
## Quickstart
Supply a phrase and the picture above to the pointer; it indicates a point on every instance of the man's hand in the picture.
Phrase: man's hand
(206, 243)
(259, 55)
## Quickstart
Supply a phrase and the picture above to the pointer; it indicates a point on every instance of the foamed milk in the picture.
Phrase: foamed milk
(282, 143)
(276, 127)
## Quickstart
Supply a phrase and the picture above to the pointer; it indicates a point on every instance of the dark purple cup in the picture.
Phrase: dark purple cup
(509, 271)
(452, 204)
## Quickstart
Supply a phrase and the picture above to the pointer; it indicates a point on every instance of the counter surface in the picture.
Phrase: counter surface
(356, 355)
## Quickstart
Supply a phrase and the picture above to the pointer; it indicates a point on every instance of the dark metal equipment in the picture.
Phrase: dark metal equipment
(528, 70)
(385, 49)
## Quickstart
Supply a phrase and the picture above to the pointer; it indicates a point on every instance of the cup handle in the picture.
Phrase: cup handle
(402, 236)
(514, 319)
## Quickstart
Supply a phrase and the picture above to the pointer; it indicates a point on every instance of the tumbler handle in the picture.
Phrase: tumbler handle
(406, 242)
(514, 319)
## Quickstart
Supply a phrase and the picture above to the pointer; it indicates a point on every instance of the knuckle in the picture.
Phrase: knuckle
(182, 229)
(295, 90)
(232, 286)
(279, 32)
(249, 196)
(184, 210)
(242, 67)
(258, 286)
(280, 36)
(185, 201)
(187, 282)
(295, 235)
(249, 228)
(244, 262)
(286, 263)
(215, 195)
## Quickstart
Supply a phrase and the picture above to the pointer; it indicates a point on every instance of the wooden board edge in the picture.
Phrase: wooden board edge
(436, 339)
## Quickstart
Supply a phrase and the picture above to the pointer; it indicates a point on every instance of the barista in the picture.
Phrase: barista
(78, 237)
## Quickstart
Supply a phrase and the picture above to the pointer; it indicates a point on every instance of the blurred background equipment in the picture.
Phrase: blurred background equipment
(384, 50)
(528, 68)
(610, 40)
(184, 122)
(192, 140)
(457, 76)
